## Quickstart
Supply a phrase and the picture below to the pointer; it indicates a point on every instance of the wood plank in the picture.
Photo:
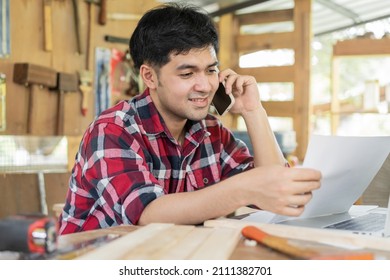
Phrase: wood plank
(323, 236)
(155, 247)
(47, 25)
(83, 236)
(118, 248)
(267, 41)
(266, 17)
(362, 46)
(19, 194)
(279, 108)
(319, 109)
(73, 147)
(187, 245)
(274, 74)
(227, 53)
(168, 241)
(56, 186)
(219, 245)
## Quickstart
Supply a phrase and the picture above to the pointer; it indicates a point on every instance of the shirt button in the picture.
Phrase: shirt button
(205, 180)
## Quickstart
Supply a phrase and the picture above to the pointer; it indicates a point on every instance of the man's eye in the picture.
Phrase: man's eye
(213, 70)
(185, 75)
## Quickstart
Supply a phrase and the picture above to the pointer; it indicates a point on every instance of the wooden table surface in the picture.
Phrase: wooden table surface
(242, 250)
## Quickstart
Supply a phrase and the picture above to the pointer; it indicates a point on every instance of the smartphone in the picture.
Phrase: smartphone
(222, 102)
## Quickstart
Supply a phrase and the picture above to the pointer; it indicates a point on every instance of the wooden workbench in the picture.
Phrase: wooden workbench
(221, 240)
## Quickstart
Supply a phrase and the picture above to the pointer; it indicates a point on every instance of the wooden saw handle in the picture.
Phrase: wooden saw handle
(103, 12)
(85, 91)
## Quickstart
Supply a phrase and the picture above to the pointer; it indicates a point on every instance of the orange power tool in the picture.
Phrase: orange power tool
(28, 234)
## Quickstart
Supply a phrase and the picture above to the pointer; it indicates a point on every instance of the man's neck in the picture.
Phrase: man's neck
(175, 125)
(177, 130)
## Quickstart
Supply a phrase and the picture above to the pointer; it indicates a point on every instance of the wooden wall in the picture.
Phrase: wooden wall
(19, 192)
(27, 45)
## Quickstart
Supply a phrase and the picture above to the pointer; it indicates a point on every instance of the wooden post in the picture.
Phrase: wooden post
(302, 104)
(335, 104)
(228, 56)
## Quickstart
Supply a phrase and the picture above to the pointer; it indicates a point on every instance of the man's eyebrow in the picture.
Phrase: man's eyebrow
(190, 66)
(216, 63)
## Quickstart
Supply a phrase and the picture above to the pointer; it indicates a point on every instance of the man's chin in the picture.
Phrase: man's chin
(197, 116)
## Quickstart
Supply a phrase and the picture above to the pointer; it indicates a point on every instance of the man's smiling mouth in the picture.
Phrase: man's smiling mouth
(200, 102)
(198, 99)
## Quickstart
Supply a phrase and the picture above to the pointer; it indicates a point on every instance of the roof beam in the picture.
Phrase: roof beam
(352, 25)
(235, 7)
(340, 9)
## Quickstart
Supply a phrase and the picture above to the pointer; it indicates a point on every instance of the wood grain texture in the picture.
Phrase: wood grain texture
(218, 246)
(117, 249)
(366, 47)
(168, 241)
(160, 243)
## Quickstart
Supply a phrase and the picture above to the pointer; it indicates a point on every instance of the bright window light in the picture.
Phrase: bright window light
(280, 57)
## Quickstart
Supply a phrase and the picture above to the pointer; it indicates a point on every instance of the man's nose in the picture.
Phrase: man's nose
(203, 83)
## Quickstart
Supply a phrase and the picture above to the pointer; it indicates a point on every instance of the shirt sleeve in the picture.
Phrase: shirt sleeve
(235, 155)
(111, 183)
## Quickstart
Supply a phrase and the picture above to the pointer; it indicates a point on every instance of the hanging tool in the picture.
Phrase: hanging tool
(114, 39)
(123, 16)
(102, 80)
(124, 77)
(66, 82)
(28, 234)
(34, 77)
(102, 18)
(76, 16)
(47, 25)
(86, 89)
(90, 33)
(103, 12)
(85, 76)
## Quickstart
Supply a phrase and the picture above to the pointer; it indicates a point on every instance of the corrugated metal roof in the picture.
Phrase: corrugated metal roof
(328, 15)
(326, 18)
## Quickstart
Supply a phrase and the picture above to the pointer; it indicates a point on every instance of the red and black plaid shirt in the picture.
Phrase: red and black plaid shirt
(128, 158)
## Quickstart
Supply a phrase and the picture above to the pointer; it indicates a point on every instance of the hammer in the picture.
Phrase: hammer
(103, 10)
(66, 82)
(34, 77)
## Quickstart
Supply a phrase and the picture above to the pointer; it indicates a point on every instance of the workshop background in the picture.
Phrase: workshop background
(64, 61)
(82, 41)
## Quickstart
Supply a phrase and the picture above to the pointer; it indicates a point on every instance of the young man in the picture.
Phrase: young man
(161, 157)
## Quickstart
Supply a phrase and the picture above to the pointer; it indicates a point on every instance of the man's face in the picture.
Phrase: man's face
(186, 85)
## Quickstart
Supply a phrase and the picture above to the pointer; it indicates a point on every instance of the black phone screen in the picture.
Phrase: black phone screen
(221, 101)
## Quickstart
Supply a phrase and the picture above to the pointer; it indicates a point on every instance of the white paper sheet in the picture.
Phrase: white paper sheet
(348, 165)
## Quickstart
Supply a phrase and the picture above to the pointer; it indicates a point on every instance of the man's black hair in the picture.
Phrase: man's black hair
(171, 28)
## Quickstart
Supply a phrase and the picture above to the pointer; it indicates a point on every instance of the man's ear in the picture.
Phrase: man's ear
(149, 76)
